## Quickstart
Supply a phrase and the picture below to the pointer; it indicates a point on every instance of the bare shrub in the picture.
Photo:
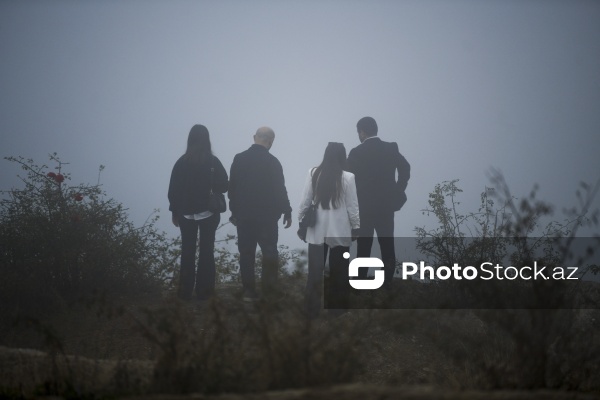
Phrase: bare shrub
(547, 345)
(229, 346)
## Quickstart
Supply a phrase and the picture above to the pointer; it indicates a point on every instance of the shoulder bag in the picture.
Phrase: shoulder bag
(310, 216)
(216, 201)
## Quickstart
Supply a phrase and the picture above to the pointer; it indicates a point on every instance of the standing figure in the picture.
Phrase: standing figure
(194, 175)
(380, 193)
(257, 199)
(333, 191)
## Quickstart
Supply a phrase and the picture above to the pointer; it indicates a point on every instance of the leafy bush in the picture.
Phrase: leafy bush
(59, 241)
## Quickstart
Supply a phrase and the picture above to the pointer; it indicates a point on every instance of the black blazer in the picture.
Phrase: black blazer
(190, 185)
(257, 186)
(374, 164)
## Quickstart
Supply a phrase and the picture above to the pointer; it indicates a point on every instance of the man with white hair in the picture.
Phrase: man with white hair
(257, 199)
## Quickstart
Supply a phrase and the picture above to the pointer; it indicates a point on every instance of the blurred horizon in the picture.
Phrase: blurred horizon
(461, 86)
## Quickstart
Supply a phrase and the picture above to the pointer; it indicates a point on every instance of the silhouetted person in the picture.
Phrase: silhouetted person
(375, 164)
(334, 192)
(189, 190)
(257, 199)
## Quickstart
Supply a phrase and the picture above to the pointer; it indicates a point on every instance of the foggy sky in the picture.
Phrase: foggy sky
(461, 86)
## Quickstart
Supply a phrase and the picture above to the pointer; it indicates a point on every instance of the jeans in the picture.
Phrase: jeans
(383, 224)
(204, 276)
(336, 292)
(264, 233)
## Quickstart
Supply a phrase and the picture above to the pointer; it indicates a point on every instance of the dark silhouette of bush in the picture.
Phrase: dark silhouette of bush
(60, 241)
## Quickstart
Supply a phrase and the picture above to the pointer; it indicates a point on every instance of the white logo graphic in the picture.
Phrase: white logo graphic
(365, 262)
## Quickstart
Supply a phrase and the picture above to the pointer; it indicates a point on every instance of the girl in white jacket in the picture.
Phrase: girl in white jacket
(333, 191)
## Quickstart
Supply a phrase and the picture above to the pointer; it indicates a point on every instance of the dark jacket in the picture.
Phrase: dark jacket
(374, 164)
(190, 185)
(257, 187)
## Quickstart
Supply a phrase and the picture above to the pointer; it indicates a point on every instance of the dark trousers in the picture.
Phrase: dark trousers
(383, 225)
(204, 276)
(252, 232)
(337, 290)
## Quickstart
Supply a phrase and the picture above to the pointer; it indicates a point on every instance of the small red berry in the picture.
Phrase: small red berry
(51, 175)
(78, 197)
(59, 178)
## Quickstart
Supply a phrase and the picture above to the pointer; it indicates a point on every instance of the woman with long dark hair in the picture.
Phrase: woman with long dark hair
(333, 191)
(194, 176)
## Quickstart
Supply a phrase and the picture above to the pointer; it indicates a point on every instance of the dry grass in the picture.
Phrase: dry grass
(227, 346)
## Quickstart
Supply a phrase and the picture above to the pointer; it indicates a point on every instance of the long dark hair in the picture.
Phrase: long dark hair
(198, 145)
(327, 177)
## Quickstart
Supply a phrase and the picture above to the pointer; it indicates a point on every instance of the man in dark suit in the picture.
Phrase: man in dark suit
(374, 164)
(257, 199)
